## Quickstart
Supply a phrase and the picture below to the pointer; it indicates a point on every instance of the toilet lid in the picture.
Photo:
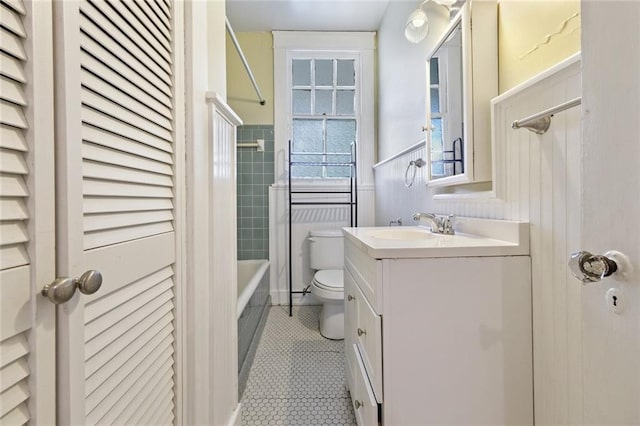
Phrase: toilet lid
(331, 279)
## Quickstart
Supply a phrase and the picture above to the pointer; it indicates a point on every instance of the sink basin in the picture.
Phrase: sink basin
(401, 234)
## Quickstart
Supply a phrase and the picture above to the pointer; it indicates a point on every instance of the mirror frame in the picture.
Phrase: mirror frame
(479, 66)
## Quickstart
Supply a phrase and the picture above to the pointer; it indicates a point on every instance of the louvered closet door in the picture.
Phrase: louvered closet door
(116, 165)
(27, 320)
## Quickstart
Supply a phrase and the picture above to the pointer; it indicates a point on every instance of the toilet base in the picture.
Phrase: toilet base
(332, 320)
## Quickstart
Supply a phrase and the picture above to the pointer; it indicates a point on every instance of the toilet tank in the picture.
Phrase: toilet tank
(326, 249)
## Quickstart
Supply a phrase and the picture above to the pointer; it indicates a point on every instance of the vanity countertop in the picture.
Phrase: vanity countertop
(473, 238)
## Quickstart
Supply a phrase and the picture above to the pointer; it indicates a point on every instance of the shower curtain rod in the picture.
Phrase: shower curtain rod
(244, 61)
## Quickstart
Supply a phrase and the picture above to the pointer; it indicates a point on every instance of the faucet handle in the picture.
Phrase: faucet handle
(447, 225)
(416, 216)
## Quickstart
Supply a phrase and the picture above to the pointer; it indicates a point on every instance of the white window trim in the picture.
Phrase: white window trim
(287, 44)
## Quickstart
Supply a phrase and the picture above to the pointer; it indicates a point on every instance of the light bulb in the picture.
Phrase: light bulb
(418, 22)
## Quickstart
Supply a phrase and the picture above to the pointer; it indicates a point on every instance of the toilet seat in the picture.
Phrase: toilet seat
(329, 280)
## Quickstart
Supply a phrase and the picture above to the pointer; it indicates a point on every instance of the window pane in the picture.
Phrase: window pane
(435, 100)
(434, 77)
(344, 102)
(324, 102)
(301, 72)
(307, 135)
(346, 72)
(306, 170)
(340, 135)
(339, 171)
(302, 101)
(324, 72)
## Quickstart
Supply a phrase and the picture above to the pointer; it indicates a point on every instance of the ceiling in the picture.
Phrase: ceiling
(307, 15)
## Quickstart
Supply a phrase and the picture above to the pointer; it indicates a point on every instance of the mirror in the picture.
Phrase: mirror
(458, 117)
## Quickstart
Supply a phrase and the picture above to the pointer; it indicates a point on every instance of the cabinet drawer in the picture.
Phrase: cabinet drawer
(364, 329)
(364, 403)
(366, 271)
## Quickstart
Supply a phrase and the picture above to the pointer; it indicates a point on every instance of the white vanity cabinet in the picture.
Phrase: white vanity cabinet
(438, 340)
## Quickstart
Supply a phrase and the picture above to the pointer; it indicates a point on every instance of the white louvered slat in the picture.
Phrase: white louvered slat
(13, 209)
(164, 6)
(125, 345)
(12, 138)
(13, 233)
(11, 44)
(13, 256)
(159, 411)
(117, 111)
(105, 334)
(146, 44)
(100, 239)
(17, 416)
(101, 154)
(144, 26)
(13, 373)
(11, 21)
(122, 174)
(12, 91)
(13, 349)
(13, 397)
(108, 72)
(117, 62)
(146, 343)
(130, 372)
(106, 122)
(12, 115)
(95, 24)
(12, 68)
(16, 5)
(141, 390)
(143, 8)
(105, 205)
(106, 139)
(102, 222)
(157, 15)
(103, 305)
(153, 412)
(119, 189)
(15, 301)
(13, 186)
(13, 162)
(118, 96)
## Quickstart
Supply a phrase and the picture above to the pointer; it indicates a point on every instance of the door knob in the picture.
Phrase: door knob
(591, 268)
(61, 290)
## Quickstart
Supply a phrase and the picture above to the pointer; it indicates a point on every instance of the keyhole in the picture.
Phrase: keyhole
(615, 300)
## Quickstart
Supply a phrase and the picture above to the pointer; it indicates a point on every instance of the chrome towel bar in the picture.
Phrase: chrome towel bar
(539, 123)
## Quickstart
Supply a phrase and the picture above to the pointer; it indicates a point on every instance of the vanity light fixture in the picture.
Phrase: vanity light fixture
(417, 26)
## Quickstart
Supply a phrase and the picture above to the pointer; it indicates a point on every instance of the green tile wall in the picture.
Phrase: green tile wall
(255, 174)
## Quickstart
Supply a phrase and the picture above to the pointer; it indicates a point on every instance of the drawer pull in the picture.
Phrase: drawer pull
(361, 332)
(357, 404)
(350, 298)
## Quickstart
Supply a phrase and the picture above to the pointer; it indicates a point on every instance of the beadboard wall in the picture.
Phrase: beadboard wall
(536, 179)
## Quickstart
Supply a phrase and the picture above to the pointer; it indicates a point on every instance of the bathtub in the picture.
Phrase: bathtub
(253, 300)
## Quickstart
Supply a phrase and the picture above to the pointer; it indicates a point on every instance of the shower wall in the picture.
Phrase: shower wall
(255, 174)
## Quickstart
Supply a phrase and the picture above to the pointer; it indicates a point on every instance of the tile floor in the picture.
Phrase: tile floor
(298, 376)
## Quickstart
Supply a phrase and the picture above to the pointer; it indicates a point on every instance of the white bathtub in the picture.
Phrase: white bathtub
(250, 272)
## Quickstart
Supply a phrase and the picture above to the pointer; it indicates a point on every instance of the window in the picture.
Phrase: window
(323, 116)
(323, 103)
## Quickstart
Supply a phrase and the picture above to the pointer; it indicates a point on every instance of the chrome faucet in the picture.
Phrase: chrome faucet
(439, 225)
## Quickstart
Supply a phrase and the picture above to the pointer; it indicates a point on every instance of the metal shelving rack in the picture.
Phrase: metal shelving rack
(351, 194)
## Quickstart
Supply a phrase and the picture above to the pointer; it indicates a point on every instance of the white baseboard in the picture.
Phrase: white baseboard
(236, 416)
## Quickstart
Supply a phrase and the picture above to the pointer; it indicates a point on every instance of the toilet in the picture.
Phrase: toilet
(326, 256)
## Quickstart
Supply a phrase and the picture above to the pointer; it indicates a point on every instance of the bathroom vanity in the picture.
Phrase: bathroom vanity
(438, 327)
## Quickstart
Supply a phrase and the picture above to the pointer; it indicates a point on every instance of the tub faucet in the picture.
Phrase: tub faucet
(439, 225)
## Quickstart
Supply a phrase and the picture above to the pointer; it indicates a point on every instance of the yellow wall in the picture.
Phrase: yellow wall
(525, 24)
(241, 96)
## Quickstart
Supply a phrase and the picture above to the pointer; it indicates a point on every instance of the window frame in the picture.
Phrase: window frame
(359, 46)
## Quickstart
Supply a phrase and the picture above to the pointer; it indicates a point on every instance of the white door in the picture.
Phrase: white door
(27, 257)
(611, 209)
(115, 151)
